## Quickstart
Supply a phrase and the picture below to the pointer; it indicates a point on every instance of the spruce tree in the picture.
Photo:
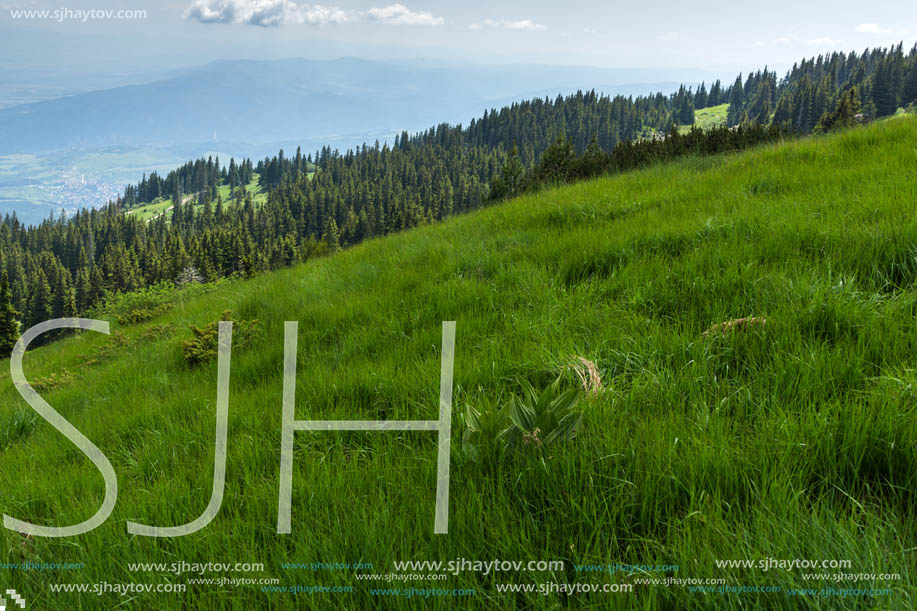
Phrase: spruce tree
(511, 180)
(685, 108)
(9, 323)
(41, 304)
(330, 236)
(909, 91)
(844, 115)
(736, 103)
(764, 115)
(700, 98)
(784, 112)
(883, 93)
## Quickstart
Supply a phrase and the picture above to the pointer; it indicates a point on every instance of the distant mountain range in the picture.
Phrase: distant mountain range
(66, 152)
(261, 102)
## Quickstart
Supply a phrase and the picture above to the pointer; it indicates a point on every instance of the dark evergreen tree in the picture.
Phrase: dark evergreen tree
(883, 93)
(844, 115)
(511, 179)
(909, 89)
(9, 318)
(700, 98)
(41, 307)
(330, 235)
(736, 102)
(716, 96)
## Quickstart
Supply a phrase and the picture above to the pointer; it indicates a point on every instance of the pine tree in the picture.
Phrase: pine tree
(844, 115)
(764, 115)
(716, 94)
(511, 180)
(784, 112)
(685, 108)
(700, 98)
(593, 161)
(736, 103)
(557, 163)
(883, 94)
(909, 91)
(330, 235)
(40, 306)
(83, 290)
(9, 325)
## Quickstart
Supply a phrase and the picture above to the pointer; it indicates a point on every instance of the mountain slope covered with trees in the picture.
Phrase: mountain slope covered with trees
(319, 203)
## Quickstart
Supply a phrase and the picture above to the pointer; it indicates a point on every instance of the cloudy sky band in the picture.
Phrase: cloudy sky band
(272, 13)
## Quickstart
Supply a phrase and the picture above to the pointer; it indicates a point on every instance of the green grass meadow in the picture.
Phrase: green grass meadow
(707, 118)
(154, 209)
(792, 439)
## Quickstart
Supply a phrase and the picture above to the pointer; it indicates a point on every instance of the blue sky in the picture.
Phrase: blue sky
(713, 34)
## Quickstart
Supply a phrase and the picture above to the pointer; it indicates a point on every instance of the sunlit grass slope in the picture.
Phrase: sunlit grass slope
(795, 439)
(162, 205)
(708, 118)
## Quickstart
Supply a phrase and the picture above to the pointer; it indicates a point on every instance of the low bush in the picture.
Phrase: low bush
(205, 342)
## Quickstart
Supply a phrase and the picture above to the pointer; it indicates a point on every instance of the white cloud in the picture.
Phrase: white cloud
(253, 12)
(267, 13)
(890, 36)
(398, 14)
(524, 24)
(320, 15)
(871, 28)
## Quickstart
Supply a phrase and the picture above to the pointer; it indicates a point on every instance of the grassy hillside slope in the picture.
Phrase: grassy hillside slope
(708, 118)
(795, 439)
(152, 210)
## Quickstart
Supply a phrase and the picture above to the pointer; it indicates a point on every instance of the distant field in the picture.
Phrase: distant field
(253, 187)
(150, 211)
(707, 118)
(34, 185)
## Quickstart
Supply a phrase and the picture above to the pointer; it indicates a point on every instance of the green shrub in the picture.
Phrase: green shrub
(158, 332)
(51, 381)
(203, 346)
(142, 314)
(124, 306)
(145, 304)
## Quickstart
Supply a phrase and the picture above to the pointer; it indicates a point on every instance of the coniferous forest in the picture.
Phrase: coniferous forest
(317, 203)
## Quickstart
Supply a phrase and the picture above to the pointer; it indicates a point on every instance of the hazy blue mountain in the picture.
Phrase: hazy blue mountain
(34, 68)
(78, 150)
(271, 101)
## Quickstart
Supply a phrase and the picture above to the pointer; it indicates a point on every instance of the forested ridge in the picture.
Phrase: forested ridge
(319, 203)
(202, 177)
